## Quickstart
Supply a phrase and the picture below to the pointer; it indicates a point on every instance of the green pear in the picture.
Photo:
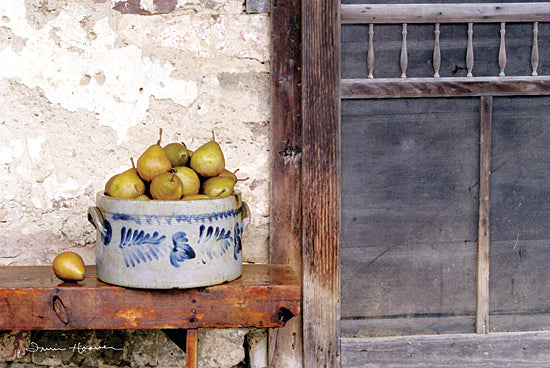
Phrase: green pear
(166, 186)
(127, 185)
(177, 153)
(153, 161)
(189, 178)
(143, 197)
(208, 159)
(219, 186)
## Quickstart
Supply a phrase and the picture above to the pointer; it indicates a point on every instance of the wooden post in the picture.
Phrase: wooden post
(191, 348)
(285, 240)
(482, 313)
(321, 182)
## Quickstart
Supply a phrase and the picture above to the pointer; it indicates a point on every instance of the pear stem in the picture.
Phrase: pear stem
(160, 136)
(133, 164)
(213, 136)
(237, 179)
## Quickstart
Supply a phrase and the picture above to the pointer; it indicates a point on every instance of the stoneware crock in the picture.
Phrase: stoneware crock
(159, 244)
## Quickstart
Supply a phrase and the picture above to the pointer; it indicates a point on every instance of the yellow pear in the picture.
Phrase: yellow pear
(153, 161)
(208, 159)
(189, 178)
(69, 266)
(109, 183)
(177, 153)
(219, 186)
(190, 197)
(166, 186)
(127, 185)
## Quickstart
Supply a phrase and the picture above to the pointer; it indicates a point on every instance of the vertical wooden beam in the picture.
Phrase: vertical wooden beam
(321, 182)
(285, 242)
(191, 348)
(482, 313)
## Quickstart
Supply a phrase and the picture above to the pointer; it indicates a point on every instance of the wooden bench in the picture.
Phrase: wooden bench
(32, 298)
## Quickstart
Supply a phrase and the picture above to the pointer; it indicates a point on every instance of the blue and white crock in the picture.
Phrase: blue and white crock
(169, 244)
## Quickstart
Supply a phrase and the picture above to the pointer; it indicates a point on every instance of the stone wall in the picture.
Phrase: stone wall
(84, 86)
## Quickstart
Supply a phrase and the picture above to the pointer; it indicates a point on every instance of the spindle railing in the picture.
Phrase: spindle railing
(437, 14)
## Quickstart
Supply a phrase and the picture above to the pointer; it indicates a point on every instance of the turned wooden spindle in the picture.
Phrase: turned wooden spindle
(535, 50)
(370, 53)
(502, 50)
(404, 58)
(437, 52)
(470, 50)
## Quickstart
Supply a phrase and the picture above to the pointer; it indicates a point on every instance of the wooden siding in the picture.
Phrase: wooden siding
(414, 229)
(409, 218)
(509, 350)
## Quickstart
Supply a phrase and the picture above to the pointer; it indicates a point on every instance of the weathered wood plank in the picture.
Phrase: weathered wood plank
(501, 321)
(410, 203)
(285, 240)
(505, 350)
(482, 311)
(409, 325)
(444, 87)
(32, 298)
(445, 13)
(520, 186)
(321, 182)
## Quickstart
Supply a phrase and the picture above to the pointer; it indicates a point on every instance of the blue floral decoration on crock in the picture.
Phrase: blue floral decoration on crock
(238, 243)
(108, 232)
(215, 234)
(182, 250)
(138, 246)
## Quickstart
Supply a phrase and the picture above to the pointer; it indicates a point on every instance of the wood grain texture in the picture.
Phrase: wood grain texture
(191, 347)
(444, 87)
(520, 208)
(482, 311)
(32, 298)
(409, 218)
(321, 182)
(285, 241)
(445, 13)
(506, 350)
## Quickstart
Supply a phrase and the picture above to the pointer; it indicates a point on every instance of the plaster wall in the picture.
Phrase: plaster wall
(86, 84)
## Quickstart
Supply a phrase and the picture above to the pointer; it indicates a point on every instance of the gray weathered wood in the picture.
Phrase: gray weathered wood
(321, 182)
(503, 350)
(409, 260)
(444, 87)
(482, 311)
(520, 208)
(409, 222)
(445, 13)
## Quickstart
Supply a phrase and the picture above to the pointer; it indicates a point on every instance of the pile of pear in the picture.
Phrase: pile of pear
(174, 172)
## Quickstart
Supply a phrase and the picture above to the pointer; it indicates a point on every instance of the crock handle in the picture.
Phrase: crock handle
(96, 218)
(246, 215)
